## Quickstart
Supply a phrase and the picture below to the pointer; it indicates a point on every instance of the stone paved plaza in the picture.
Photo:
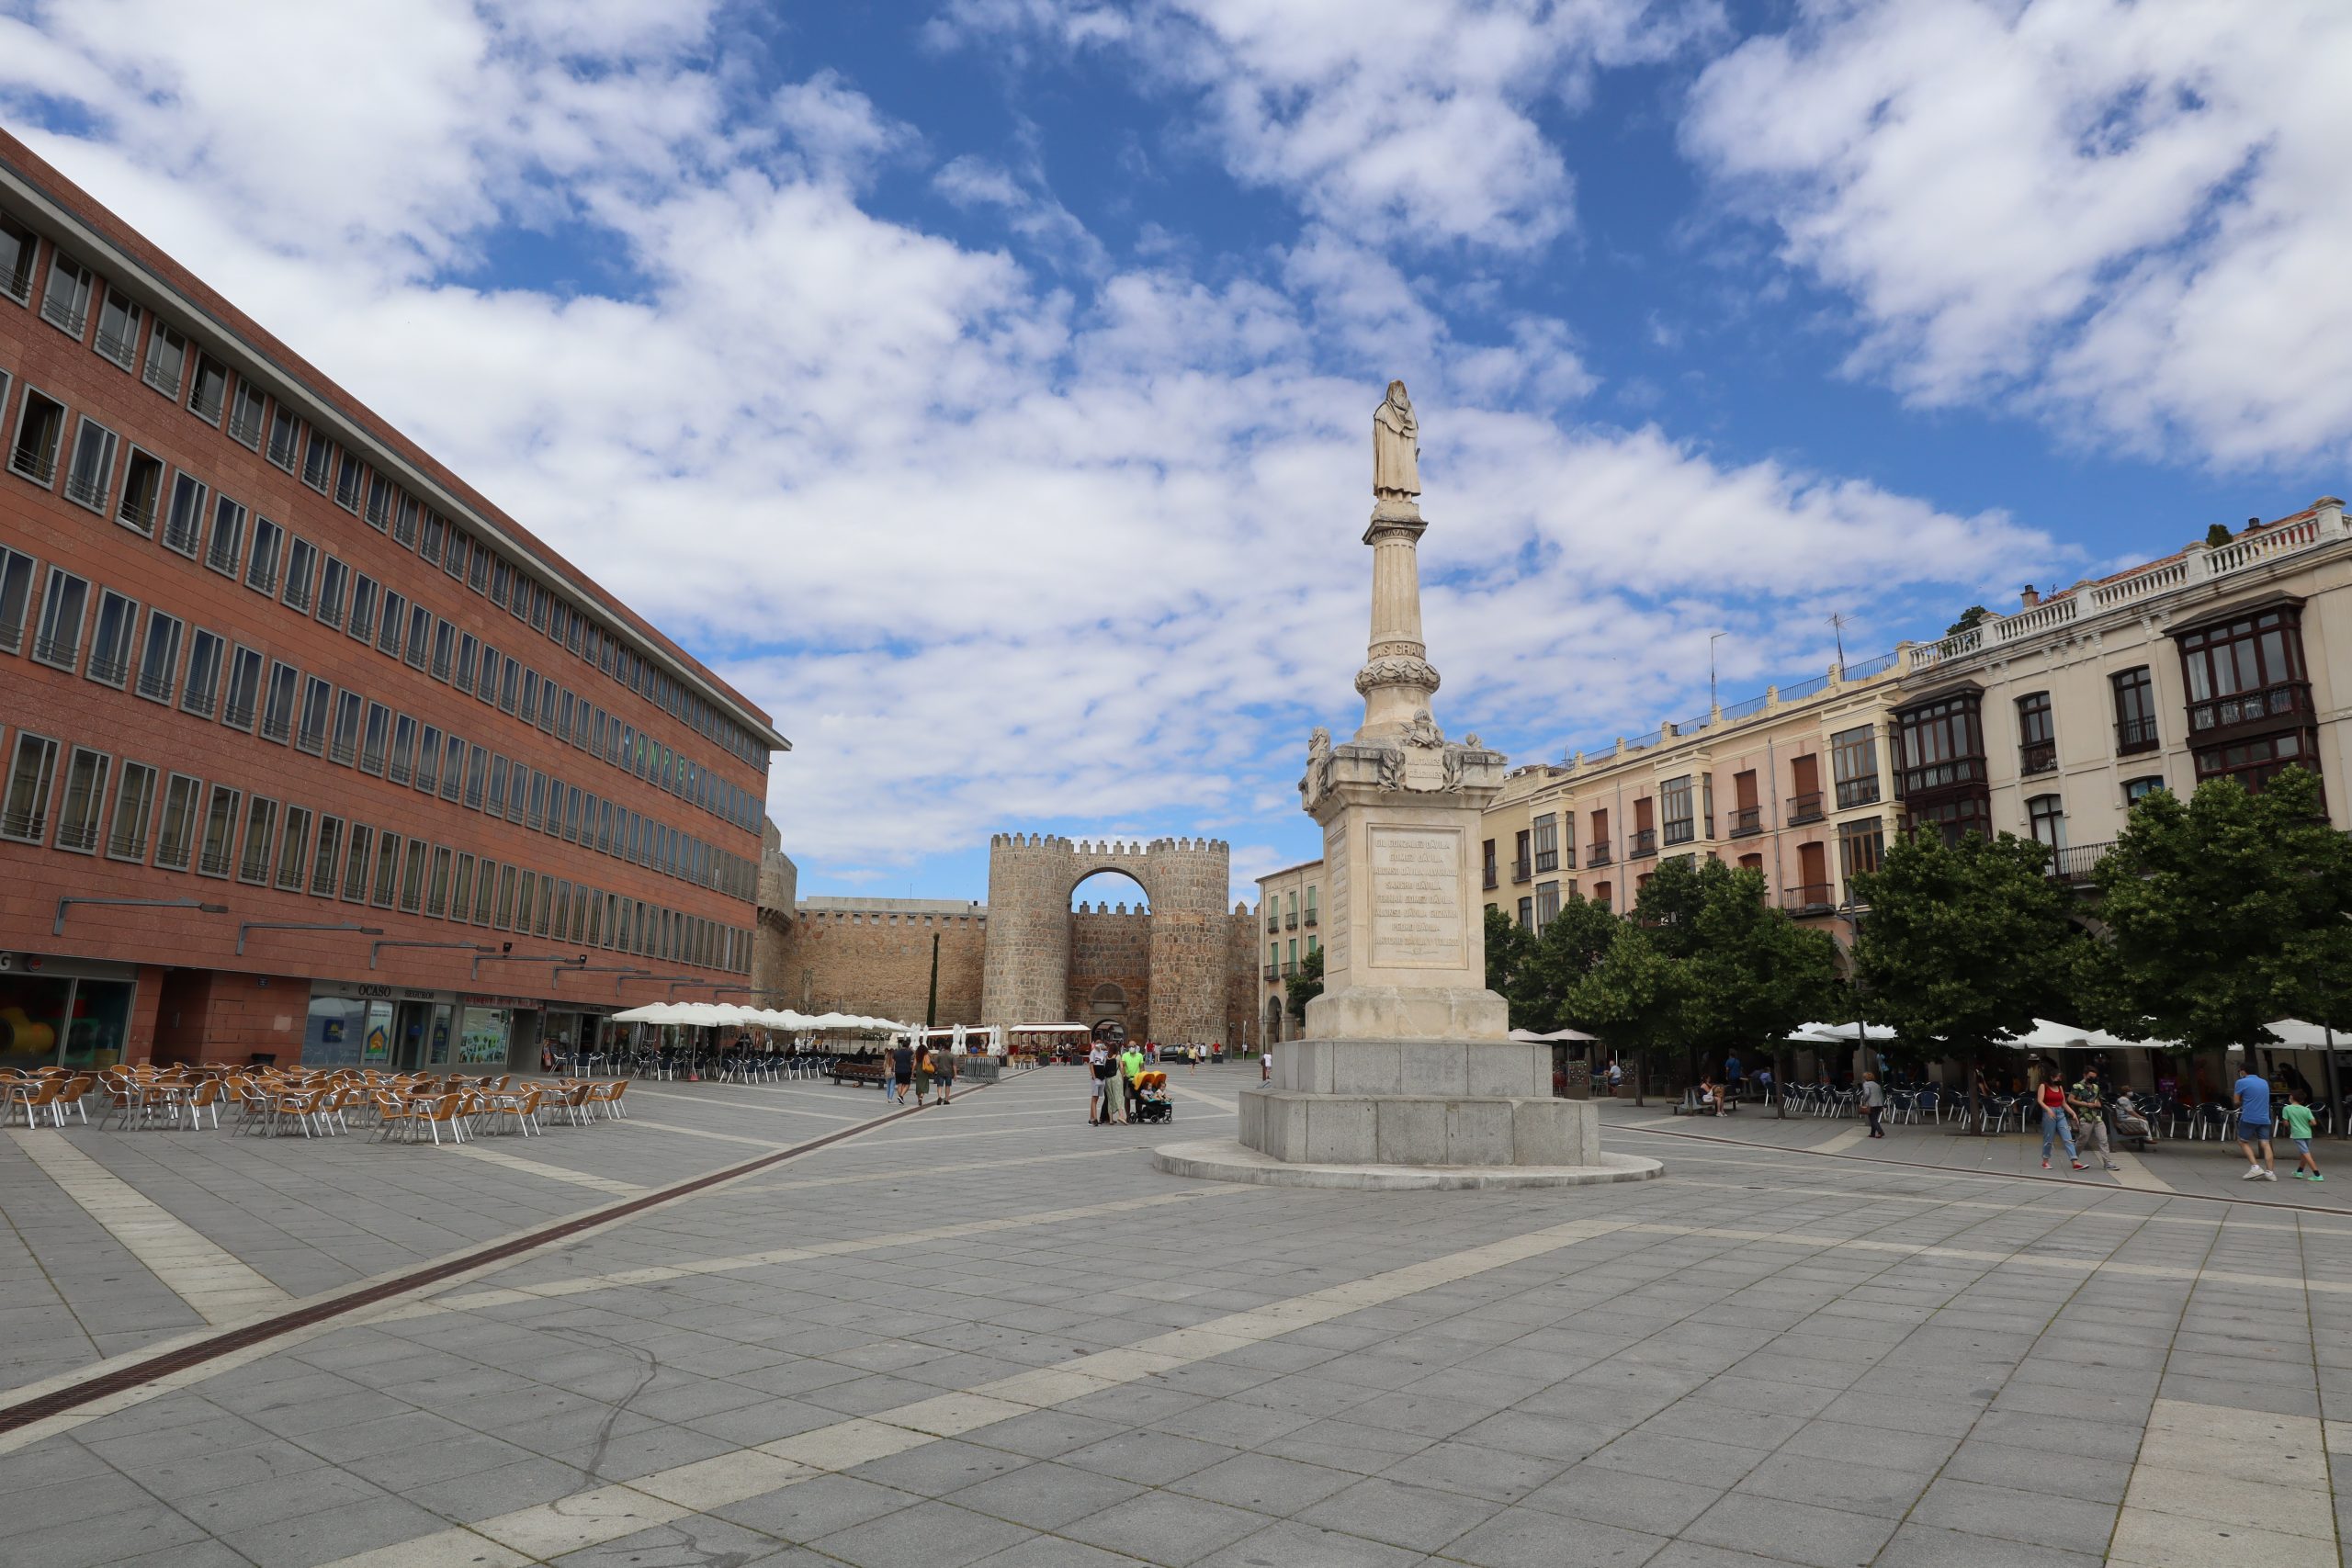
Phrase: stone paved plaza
(994, 1335)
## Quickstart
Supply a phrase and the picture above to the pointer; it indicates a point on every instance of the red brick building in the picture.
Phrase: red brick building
(310, 750)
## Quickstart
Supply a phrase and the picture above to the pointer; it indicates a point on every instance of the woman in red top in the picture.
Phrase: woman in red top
(2057, 1121)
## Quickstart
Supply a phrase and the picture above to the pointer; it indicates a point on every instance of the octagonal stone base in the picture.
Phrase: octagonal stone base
(1223, 1160)
(1446, 1128)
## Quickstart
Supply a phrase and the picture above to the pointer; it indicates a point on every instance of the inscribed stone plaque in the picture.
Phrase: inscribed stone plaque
(1416, 898)
(1335, 882)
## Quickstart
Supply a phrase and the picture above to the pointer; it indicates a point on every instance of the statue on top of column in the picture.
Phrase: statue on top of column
(1395, 448)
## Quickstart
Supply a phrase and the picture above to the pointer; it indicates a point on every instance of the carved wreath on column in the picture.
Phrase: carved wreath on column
(1397, 669)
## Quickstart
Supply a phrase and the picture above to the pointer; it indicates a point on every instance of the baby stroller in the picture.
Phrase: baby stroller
(1153, 1102)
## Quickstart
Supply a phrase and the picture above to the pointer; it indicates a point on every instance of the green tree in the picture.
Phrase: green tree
(1508, 945)
(2216, 536)
(1572, 945)
(1748, 972)
(1306, 984)
(1968, 618)
(2227, 911)
(1632, 998)
(1965, 941)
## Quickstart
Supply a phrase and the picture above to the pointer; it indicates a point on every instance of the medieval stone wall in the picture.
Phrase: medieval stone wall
(1242, 983)
(1110, 948)
(847, 957)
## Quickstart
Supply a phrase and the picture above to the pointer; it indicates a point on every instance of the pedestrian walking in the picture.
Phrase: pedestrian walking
(922, 1076)
(2296, 1118)
(902, 1073)
(944, 1066)
(1874, 1105)
(1266, 1065)
(1131, 1066)
(2252, 1100)
(2057, 1122)
(2089, 1100)
(1100, 1067)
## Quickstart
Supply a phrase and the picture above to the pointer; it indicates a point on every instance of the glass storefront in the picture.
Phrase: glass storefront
(348, 1032)
(483, 1040)
(62, 1020)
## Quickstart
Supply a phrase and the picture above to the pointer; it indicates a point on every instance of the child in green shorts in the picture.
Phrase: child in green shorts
(2297, 1118)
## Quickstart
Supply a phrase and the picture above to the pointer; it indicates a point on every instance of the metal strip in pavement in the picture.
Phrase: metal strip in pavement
(199, 1270)
(55, 1400)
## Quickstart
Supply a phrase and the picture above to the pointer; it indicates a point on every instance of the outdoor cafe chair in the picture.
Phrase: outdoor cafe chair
(37, 1096)
(521, 1106)
(394, 1114)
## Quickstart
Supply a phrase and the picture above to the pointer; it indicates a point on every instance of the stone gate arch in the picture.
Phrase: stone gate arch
(1025, 978)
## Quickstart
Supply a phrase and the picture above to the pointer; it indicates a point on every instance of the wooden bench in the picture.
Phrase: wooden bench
(876, 1072)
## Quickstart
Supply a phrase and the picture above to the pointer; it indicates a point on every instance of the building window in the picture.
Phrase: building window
(413, 877)
(1527, 913)
(1546, 829)
(294, 849)
(2137, 790)
(375, 737)
(2046, 816)
(364, 593)
(65, 303)
(40, 431)
(301, 574)
(110, 639)
(175, 838)
(1853, 766)
(2135, 711)
(344, 746)
(2037, 735)
(245, 410)
(461, 894)
(428, 759)
(1548, 903)
(244, 689)
(388, 870)
(201, 693)
(118, 319)
(420, 636)
(134, 803)
(477, 765)
(1675, 810)
(436, 895)
(63, 607)
(348, 472)
(142, 492)
(220, 841)
(1860, 845)
(159, 657)
(261, 566)
(318, 462)
(83, 806)
(278, 707)
(17, 248)
(166, 359)
(335, 583)
(226, 553)
(208, 389)
(185, 521)
(285, 437)
(330, 856)
(16, 570)
(453, 767)
(404, 524)
(2255, 762)
(394, 625)
(381, 501)
(445, 641)
(397, 766)
(355, 858)
(1944, 744)
(318, 699)
(1955, 818)
(261, 841)
(89, 476)
(2247, 672)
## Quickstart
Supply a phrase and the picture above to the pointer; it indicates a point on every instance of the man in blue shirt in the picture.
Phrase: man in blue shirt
(1732, 1076)
(2254, 1124)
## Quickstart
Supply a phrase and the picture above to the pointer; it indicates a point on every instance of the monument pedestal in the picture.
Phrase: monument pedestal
(1406, 1075)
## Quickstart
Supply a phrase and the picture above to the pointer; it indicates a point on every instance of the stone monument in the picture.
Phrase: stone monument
(1406, 1059)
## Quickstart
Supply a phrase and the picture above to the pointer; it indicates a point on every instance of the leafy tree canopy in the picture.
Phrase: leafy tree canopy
(1306, 984)
(1968, 618)
(2226, 911)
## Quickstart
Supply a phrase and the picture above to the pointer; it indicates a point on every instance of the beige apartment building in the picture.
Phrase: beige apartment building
(2233, 660)
(1290, 903)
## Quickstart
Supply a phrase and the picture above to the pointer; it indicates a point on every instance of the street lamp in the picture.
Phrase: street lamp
(375, 948)
(301, 926)
(57, 926)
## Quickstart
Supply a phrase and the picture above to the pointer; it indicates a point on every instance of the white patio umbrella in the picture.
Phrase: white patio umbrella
(2296, 1035)
(1839, 1033)
(649, 1012)
(1528, 1036)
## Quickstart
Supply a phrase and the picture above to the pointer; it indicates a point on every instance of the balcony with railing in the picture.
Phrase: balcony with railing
(1310, 918)
(1271, 971)
(244, 425)
(81, 837)
(1273, 920)
(26, 825)
(34, 463)
(2247, 711)
(1644, 843)
(1809, 899)
(1289, 921)
(1522, 871)
(117, 345)
(343, 752)
(275, 727)
(1488, 876)
(90, 489)
(60, 312)
(2136, 735)
(2072, 864)
(1746, 821)
(61, 652)
(238, 715)
(2037, 757)
(111, 671)
(137, 513)
(1596, 854)
(1856, 792)
(1805, 808)
(1680, 832)
(213, 863)
(1290, 967)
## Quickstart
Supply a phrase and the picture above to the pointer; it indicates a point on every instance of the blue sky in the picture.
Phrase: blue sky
(982, 385)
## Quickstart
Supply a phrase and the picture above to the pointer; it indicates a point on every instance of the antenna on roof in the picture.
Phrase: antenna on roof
(1837, 628)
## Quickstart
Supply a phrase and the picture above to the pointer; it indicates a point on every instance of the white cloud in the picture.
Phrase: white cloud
(1399, 121)
(997, 543)
(2127, 217)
